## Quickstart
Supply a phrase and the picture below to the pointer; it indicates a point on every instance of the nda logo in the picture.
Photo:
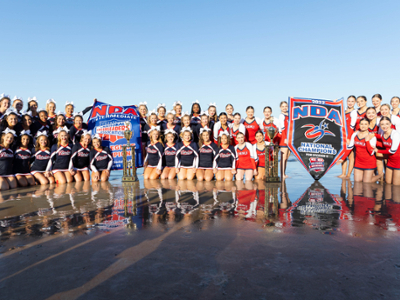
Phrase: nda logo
(317, 132)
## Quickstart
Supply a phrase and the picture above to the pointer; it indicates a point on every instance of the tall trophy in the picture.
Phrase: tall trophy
(129, 166)
(271, 158)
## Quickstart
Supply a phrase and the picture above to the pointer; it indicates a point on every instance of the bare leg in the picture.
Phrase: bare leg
(208, 175)
(344, 169)
(200, 174)
(396, 177)
(30, 179)
(147, 172)
(21, 180)
(249, 175)
(351, 164)
(239, 175)
(182, 174)
(228, 175)
(86, 175)
(389, 175)
(191, 173)
(154, 174)
(4, 184)
(78, 176)
(41, 178)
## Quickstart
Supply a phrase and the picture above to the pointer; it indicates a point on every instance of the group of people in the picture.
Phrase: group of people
(40, 146)
(373, 140)
(205, 144)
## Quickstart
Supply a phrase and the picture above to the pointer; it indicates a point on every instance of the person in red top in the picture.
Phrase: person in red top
(365, 160)
(221, 126)
(357, 115)
(390, 139)
(259, 148)
(246, 159)
(395, 120)
(395, 102)
(376, 102)
(252, 125)
(351, 102)
(235, 128)
(283, 126)
(270, 121)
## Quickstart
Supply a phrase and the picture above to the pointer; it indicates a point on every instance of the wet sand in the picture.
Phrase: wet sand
(189, 240)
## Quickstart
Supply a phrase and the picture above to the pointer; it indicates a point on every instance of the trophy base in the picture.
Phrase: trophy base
(273, 179)
(129, 179)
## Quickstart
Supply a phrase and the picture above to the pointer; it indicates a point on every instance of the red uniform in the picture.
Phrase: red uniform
(364, 152)
(283, 126)
(374, 130)
(348, 124)
(391, 145)
(246, 157)
(261, 156)
(355, 119)
(251, 129)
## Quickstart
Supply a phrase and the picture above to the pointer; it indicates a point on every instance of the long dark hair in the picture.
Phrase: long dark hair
(191, 112)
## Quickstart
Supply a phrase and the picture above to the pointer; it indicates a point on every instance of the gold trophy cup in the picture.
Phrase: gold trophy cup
(271, 163)
(129, 167)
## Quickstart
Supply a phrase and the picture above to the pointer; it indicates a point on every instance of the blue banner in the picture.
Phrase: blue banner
(108, 121)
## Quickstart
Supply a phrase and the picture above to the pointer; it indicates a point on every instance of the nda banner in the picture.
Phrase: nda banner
(109, 121)
(317, 133)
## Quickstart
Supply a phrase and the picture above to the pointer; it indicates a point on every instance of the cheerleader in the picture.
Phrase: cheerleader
(395, 120)
(376, 102)
(207, 152)
(143, 122)
(363, 144)
(18, 105)
(185, 121)
(187, 155)
(32, 107)
(155, 152)
(161, 111)
(390, 139)
(252, 125)
(170, 124)
(224, 164)
(5, 104)
(246, 159)
(80, 158)
(60, 157)
(205, 123)
(10, 120)
(394, 102)
(283, 126)
(268, 122)
(260, 148)
(195, 113)
(51, 111)
(69, 113)
(221, 126)
(235, 127)
(7, 179)
(41, 124)
(169, 171)
(178, 112)
(151, 122)
(76, 131)
(26, 123)
(212, 114)
(229, 112)
(101, 160)
(22, 160)
(351, 102)
(357, 115)
(60, 123)
(41, 159)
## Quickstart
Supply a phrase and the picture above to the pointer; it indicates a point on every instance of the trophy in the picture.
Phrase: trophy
(271, 157)
(129, 166)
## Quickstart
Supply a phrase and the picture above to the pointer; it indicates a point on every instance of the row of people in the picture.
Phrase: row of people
(187, 159)
(373, 140)
(45, 163)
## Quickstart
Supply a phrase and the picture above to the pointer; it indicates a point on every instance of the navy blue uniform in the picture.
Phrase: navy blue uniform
(60, 157)
(100, 160)
(176, 128)
(196, 132)
(80, 158)
(145, 137)
(187, 156)
(52, 120)
(6, 162)
(69, 121)
(177, 120)
(154, 155)
(226, 158)
(169, 156)
(161, 123)
(75, 133)
(40, 161)
(40, 126)
(195, 120)
(207, 154)
(22, 160)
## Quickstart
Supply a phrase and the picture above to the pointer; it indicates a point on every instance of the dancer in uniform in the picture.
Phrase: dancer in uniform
(69, 114)
(169, 171)
(22, 160)
(252, 124)
(260, 149)
(204, 123)
(270, 121)
(357, 115)
(7, 178)
(212, 113)
(18, 105)
(208, 151)
(283, 127)
(41, 159)
(80, 159)
(161, 111)
(101, 160)
(178, 112)
(5, 103)
(77, 130)
(225, 161)
(376, 102)
(229, 112)
(170, 124)
(395, 102)
(32, 107)
(351, 102)
(246, 159)
(235, 127)
(195, 113)
(155, 152)
(221, 126)
(51, 111)
(187, 155)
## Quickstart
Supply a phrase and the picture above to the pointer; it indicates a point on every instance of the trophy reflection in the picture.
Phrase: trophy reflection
(129, 166)
(271, 158)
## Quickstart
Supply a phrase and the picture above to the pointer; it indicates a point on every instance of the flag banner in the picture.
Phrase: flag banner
(317, 133)
(109, 121)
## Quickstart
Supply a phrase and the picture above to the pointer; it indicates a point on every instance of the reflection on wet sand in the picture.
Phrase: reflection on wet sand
(84, 207)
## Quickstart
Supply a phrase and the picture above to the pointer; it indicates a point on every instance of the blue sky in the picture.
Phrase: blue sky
(241, 52)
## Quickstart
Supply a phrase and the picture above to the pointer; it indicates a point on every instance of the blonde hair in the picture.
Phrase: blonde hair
(183, 132)
(219, 140)
(165, 136)
(37, 145)
(152, 114)
(58, 138)
(387, 105)
(3, 136)
(101, 147)
(201, 140)
(47, 106)
(185, 116)
(159, 137)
